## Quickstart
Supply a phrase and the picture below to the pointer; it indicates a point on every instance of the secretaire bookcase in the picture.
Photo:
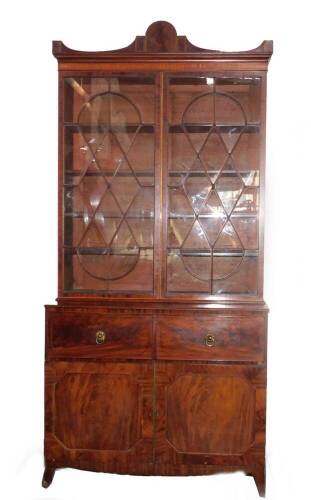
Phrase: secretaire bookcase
(156, 349)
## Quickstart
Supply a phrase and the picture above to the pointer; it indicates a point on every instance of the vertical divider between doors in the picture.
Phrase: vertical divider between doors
(154, 395)
(160, 231)
(154, 410)
(158, 187)
(163, 121)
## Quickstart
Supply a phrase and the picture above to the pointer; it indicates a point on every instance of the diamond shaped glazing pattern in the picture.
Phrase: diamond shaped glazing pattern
(114, 189)
(211, 188)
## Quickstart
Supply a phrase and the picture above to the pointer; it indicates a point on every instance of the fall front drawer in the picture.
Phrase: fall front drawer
(94, 335)
(214, 337)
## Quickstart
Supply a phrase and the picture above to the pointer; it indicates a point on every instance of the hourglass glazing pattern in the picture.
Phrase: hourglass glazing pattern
(213, 184)
(109, 184)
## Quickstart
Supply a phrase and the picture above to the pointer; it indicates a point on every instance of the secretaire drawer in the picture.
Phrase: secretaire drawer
(80, 334)
(216, 337)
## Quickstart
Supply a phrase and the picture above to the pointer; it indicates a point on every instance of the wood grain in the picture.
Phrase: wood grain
(212, 415)
(236, 339)
(88, 414)
(99, 413)
(74, 335)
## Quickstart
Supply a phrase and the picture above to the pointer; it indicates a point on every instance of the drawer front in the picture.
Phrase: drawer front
(99, 335)
(218, 338)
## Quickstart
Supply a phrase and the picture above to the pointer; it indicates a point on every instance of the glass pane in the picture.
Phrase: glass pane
(109, 183)
(214, 137)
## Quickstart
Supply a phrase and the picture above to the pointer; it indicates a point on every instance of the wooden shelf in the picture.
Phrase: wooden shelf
(211, 216)
(215, 253)
(195, 81)
(122, 80)
(126, 252)
(145, 128)
(81, 215)
(199, 173)
(148, 173)
(194, 128)
(110, 173)
(171, 251)
(174, 128)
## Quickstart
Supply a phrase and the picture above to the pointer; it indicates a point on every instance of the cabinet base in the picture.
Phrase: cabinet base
(149, 470)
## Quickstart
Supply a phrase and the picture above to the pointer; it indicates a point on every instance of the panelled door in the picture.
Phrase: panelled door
(99, 414)
(153, 413)
(208, 414)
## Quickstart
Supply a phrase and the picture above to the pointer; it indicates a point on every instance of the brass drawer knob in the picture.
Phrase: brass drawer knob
(209, 340)
(100, 337)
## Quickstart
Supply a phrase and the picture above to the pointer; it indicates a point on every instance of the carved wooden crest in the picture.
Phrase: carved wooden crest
(161, 39)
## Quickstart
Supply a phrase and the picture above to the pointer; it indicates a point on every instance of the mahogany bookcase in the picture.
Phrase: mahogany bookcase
(156, 349)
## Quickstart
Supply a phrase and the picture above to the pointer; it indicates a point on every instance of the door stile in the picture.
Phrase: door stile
(154, 412)
(164, 192)
(158, 179)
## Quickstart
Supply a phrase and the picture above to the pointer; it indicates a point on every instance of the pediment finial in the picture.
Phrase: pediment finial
(161, 36)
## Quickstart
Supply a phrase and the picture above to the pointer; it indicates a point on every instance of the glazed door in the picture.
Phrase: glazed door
(99, 416)
(215, 133)
(108, 178)
(162, 165)
(209, 414)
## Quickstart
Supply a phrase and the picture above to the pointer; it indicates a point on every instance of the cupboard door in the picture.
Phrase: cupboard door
(209, 414)
(99, 415)
(108, 183)
(214, 144)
